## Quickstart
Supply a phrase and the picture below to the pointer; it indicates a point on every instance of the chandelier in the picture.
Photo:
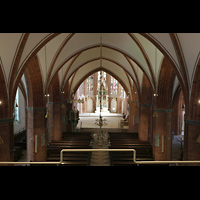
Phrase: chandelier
(100, 139)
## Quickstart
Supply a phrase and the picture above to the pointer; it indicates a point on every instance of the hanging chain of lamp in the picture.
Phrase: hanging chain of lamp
(46, 95)
(101, 139)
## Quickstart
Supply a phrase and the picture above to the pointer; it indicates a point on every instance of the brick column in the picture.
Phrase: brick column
(55, 121)
(162, 132)
(36, 128)
(145, 122)
(68, 106)
(7, 136)
(133, 116)
(130, 116)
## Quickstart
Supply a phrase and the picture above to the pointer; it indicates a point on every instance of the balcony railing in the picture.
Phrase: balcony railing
(92, 150)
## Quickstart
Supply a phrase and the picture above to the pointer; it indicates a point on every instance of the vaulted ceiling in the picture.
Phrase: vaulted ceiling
(127, 55)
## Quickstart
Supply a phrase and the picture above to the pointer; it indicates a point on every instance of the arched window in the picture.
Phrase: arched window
(90, 84)
(16, 107)
(122, 92)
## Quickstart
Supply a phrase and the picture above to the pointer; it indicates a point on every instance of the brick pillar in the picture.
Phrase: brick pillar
(63, 112)
(36, 127)
(130, 116)
(145, 122)
(68, 106)
(162, 134)
(7, 135)
(133, 116)
(55, 121)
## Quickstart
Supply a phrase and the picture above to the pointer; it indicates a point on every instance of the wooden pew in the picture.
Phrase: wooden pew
(132, 135)
(71, 141)
(128, 141)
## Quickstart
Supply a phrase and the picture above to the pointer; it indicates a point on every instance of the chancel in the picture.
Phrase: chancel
(135, 95)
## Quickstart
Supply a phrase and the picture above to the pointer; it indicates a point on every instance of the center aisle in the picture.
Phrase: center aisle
(99, 158)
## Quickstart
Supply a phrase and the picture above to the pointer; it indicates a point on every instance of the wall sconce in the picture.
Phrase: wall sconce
(198, 139)
(1, 140)
(155, 114)
(62, 105)
(47, 115)
(0, 102)
(199, 101)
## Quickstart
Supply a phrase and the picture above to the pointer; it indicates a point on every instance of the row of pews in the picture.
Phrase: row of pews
(19, 144)
(75, 140)
(128, 141)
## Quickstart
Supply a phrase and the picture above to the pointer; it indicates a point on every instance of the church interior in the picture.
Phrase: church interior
(81, 91)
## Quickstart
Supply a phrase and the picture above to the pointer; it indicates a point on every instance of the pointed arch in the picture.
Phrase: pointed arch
(34, 84)
(105, 70)
(4, 106)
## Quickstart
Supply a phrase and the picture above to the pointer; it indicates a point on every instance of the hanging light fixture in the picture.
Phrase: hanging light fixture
(101, 139)
(62, 105)
(46, 95)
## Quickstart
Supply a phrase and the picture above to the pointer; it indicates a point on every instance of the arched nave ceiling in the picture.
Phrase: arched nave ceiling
(123, 49)
(70, 51)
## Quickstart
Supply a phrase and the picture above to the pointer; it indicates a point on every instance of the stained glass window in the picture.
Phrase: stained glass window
(90, 85)
(122, 91)
(113, 86)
